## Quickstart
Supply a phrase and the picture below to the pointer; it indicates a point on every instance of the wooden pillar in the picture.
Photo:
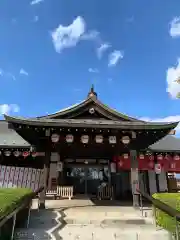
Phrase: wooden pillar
(134, 177)
(156, 175)
(46, 171)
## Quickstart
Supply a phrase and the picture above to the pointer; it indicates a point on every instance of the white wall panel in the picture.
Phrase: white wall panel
(152, 182)
(163, 186)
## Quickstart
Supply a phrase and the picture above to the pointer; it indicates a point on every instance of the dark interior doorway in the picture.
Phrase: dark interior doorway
(86, 178)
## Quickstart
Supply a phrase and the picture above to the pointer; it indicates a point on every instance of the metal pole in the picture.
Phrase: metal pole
(13, 227)
(177, 230)
(29, 213)
(141, 204)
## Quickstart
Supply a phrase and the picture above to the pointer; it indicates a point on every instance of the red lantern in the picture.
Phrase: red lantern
(151, 165)
(25, 154)
(114, 158)
(159, 157)
(34, 154)
(120, 163)
(126, 156)
(141, 156)
(176, 158)
(151, 157)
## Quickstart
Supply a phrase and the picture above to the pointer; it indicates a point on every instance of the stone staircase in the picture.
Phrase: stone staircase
(91, 223)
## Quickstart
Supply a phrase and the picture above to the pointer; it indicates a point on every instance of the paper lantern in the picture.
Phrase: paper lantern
(7, 153)
(125, 139)
(69, 138)
(112, 139)
(99, 138)
(55, 138)
(84, 138)
(17, 153)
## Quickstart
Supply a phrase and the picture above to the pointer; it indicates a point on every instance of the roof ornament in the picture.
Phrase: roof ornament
(92, 93)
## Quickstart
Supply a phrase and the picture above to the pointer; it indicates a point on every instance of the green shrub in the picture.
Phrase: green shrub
(163, 219)
(10, 198)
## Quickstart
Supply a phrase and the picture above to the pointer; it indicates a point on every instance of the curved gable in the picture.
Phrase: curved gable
(83, 111)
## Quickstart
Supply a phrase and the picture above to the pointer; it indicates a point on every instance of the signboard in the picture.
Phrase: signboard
(59, 166)
(157, 168)
(135, 181)
(113, 167)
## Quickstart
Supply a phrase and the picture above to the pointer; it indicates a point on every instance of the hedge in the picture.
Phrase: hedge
(162, 219)
(10, 198)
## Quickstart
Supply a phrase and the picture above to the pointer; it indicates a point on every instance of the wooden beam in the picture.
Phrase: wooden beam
(172, 132)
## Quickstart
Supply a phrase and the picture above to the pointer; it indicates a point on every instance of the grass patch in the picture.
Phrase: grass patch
(163, 219)
(10, 198)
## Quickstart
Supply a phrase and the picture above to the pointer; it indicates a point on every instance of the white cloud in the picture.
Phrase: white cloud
(175, 118)
(36, 2)
(172, 78)
(93, 70)
(7, 108)
(7, 74)
(69, 36)
(10, 75)
(91, 35)
(175, 27)
(23, 72)
(114, 57)
(102, 49)
(35, 19)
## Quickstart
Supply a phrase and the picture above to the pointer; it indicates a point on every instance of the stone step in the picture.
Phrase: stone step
(109, 221)
(31, 234)
(91, 232)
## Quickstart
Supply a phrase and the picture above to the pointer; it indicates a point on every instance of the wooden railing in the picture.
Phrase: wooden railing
(61, 192)
(21, 213)
(65, 192)
(105, 193)
(157, 204)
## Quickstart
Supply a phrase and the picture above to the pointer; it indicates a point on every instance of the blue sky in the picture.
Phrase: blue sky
(53, 50)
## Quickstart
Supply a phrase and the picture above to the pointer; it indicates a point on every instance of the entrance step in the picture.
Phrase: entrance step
(90, 223)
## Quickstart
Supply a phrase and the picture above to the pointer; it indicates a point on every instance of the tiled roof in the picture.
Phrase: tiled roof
(168, 143)
(9, 137)
(91, 123)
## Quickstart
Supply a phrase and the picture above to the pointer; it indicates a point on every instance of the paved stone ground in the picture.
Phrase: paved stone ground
(81, 219)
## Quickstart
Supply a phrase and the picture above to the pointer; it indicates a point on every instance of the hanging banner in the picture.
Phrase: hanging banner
(160, 157)
(124, 163)
(174, 165)
(142, 162)
(150, 157)
(176, 157)
(145, 162)
(151, 165)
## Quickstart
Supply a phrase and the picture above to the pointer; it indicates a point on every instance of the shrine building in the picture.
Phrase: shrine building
(85, 146)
